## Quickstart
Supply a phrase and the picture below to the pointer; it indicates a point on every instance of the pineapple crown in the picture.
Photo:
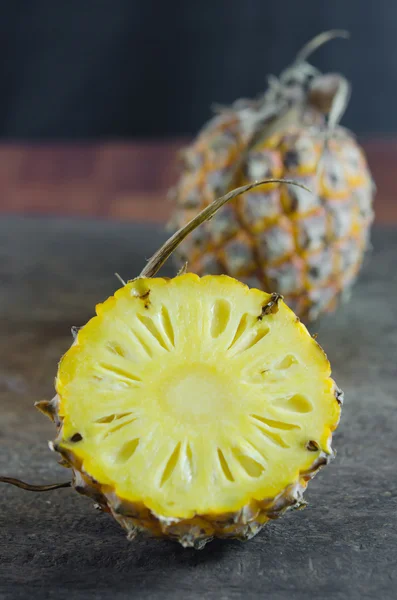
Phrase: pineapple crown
(299, 86)
(301, 72)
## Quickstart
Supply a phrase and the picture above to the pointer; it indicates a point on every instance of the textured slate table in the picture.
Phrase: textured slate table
(56, 545)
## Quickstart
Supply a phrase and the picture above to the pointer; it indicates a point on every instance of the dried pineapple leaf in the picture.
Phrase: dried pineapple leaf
(318, 41)
(160, 257)
(34, 488)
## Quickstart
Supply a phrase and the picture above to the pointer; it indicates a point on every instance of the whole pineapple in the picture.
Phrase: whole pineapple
(308, 247)
(193, 407)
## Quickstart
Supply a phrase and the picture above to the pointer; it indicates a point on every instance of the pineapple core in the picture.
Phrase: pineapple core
(194, 396)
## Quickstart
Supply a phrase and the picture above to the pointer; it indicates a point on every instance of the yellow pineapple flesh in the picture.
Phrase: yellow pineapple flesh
(308, 247)
(194, 407)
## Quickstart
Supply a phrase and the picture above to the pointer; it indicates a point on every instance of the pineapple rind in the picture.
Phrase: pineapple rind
(309, 247)
(242, 513)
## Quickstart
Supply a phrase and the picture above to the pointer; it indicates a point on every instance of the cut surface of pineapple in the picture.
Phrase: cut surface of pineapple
(195, 396)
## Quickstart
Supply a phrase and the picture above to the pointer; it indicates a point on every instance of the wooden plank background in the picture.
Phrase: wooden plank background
(129, 181)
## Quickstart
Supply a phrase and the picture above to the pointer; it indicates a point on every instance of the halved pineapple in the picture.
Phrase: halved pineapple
(194, 407)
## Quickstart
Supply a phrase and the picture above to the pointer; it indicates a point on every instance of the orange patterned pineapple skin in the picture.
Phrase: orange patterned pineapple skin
(308, 247)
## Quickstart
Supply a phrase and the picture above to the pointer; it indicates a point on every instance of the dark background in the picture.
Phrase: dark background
(75, 69)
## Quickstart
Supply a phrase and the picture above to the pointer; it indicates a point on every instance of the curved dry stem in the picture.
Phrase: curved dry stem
(320, 40)
(339, 103)
(120, 278)
(160, 257)
(337, 109)
(34, 488)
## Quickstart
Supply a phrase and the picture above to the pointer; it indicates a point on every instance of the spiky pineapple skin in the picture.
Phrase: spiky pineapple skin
(136, 517)
(279, 238)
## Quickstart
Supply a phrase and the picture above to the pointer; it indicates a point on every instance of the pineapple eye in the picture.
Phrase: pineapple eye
(312, 446)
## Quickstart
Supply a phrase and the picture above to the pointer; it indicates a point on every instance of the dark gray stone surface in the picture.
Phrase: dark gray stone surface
(55, 545)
